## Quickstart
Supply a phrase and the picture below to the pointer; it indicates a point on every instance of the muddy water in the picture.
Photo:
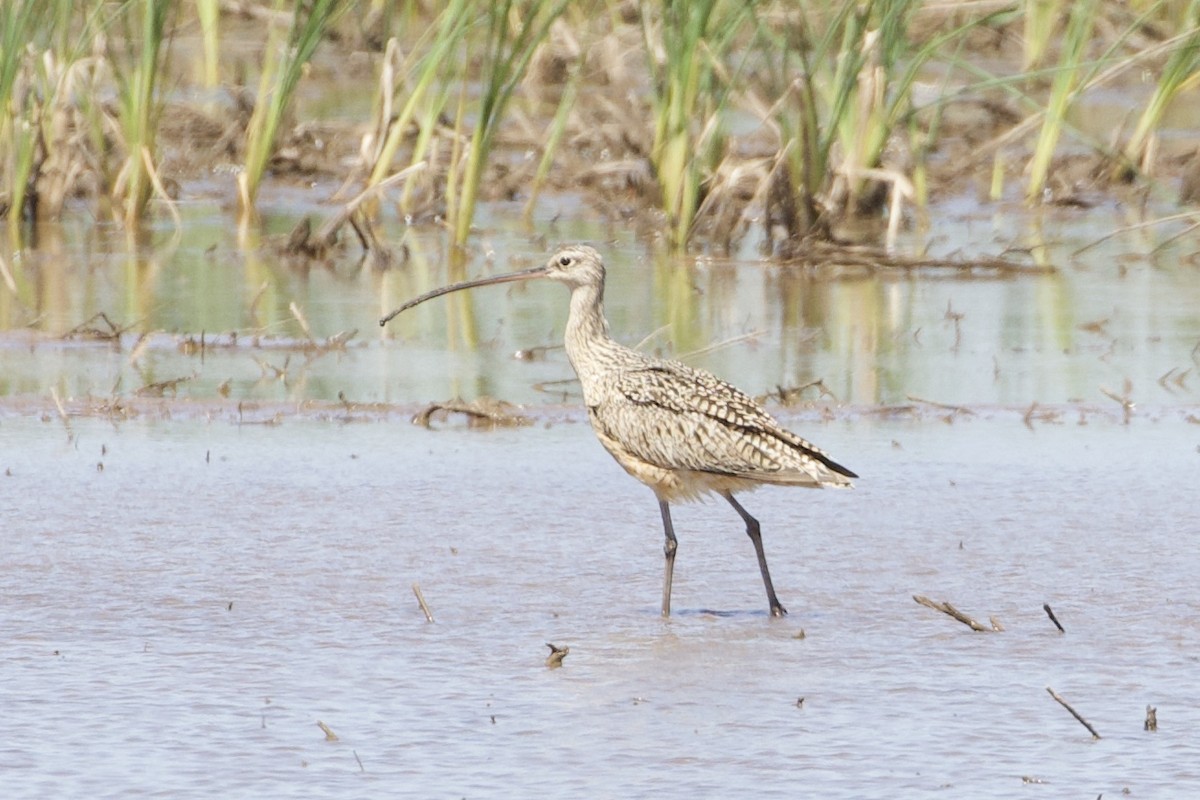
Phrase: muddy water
(178, 620)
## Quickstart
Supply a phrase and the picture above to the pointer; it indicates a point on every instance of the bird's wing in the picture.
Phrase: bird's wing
(676, 417)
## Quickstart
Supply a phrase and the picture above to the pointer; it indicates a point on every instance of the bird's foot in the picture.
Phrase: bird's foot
(778, 610)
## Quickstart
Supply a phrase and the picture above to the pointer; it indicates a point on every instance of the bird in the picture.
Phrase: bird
(681, 431)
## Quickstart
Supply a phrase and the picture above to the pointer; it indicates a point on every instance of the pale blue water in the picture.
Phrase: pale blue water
(128, 673)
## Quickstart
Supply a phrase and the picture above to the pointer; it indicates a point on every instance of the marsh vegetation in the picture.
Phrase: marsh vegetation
(700, 123)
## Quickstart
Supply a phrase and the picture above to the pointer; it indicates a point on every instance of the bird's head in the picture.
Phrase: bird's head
(575, 266)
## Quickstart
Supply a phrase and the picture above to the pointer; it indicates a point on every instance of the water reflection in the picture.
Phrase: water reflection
(1122, 310)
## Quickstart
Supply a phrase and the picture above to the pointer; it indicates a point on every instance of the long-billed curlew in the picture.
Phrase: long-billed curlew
(679, 430)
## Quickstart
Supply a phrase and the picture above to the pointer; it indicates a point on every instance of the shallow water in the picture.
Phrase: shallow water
(1124, 310)
(178, 621)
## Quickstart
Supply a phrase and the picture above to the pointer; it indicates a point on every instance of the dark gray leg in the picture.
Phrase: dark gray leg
(669, 547)
(752, 530)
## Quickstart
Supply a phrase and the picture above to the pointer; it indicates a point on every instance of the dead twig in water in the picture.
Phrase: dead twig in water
(330, 736)
(1074, 713)
(1050, 613)
(1187, 215)
(950, 610)
(421, 602)
(160, 388)
(485, 412)
(331, 226)
(84, 330)
(1127, 404)
(946, 406)
(1178, 380)
(1151, 723)
(817, 254)
(1033, 413)
(557, 654)
(790, 395)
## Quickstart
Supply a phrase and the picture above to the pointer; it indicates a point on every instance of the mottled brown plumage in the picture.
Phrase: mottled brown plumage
(681, 431)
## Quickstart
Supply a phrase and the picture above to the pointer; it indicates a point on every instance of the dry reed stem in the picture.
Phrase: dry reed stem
(421, 602)
(557, 654)
(62, 413)
(1074, 713)
(950, 610)
(330, 736)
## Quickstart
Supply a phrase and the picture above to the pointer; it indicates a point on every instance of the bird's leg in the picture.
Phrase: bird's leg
(669, 548)
(752, 530)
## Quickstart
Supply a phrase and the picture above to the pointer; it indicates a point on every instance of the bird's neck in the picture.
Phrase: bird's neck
(587, 338)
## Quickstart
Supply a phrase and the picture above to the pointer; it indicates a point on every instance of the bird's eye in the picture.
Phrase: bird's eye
(565, 261)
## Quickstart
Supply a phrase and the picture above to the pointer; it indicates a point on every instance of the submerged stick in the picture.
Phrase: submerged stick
(1074, 713)
(421, 602)
(1050, 613)
(950, 610)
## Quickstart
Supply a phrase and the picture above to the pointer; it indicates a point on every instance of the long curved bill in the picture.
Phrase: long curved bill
(523, 275)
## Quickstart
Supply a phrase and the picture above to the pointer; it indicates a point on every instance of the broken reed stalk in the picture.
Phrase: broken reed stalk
(422, 603)
(1050, 613)
(950, 610)
(62, 413)
(557, 654)
(1074, 713)
(330, 736)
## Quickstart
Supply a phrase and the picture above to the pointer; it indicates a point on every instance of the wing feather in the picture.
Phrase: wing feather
(673, 416)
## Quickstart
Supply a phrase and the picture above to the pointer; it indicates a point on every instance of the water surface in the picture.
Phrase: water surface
(186, 599)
